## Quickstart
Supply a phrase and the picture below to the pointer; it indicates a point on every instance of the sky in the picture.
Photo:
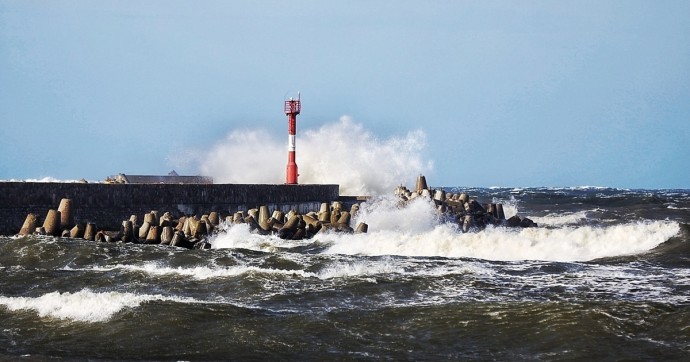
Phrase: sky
(470, 93)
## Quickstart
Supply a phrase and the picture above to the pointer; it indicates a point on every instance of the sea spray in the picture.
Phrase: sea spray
(342, 153)
(388, 213)
(347, 154)
(237, 157)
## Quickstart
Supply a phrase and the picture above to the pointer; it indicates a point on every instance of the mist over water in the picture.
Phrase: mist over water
(342, 152)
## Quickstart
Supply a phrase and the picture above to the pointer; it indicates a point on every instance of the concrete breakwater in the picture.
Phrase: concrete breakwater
(192, 231)
(107, 205)
(183, 215)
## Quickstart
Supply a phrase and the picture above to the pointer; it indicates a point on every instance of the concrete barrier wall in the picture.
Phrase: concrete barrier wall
(108, 204)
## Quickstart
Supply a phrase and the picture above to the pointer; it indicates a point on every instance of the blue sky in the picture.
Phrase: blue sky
(508, 93)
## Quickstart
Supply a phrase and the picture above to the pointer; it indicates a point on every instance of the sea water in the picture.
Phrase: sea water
(606, 275)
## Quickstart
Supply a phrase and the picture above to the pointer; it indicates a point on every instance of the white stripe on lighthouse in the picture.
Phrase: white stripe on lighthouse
(291, 143)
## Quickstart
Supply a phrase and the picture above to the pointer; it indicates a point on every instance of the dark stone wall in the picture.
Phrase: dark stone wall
(108, 204)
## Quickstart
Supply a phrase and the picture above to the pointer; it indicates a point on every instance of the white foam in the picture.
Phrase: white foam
(568, 218)
(337, 269)
(240, 237)
(203, 272)
(414, 230)
(342, 152)
(388, 213)
(563, 244)
(360, 268)
(84, 305)
(510, 207)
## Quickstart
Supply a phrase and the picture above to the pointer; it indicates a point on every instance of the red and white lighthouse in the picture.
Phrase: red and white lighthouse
(292, 108)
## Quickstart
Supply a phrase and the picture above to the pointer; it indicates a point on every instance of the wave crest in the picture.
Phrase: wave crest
(84, 305)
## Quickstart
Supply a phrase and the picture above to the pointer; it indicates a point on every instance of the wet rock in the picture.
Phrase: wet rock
(179, 240)
(513, 221)
(527, 223)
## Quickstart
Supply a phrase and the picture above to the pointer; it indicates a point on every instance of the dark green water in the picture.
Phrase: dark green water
(606, 276)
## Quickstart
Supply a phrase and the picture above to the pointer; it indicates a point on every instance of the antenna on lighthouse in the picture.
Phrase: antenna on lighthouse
(292, 109)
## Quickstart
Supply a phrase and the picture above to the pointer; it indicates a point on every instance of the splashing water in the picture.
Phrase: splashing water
(84, 305)
(415, 229)
(342, 152)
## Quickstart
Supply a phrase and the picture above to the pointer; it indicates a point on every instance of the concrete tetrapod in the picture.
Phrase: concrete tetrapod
(29, 226)
(77, 232)
(52, 223)
(90, 232)
(66, 216)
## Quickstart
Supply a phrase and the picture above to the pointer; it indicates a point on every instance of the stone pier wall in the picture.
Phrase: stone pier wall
(108, 204)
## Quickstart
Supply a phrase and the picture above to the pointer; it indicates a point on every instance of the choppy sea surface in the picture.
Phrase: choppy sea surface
(605, 276)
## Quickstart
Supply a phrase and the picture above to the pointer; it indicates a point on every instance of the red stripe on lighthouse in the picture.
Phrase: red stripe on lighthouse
(292, 109)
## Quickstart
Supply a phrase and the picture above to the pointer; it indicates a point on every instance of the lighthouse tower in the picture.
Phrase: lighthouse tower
(292, 109)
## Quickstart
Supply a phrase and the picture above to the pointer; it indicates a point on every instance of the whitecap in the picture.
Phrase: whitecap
(563, 244)
(84, 305)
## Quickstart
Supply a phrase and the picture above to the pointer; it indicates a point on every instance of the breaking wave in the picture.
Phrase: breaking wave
(84, 305)
(416, 230)
(342, 152)
(563, 244)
